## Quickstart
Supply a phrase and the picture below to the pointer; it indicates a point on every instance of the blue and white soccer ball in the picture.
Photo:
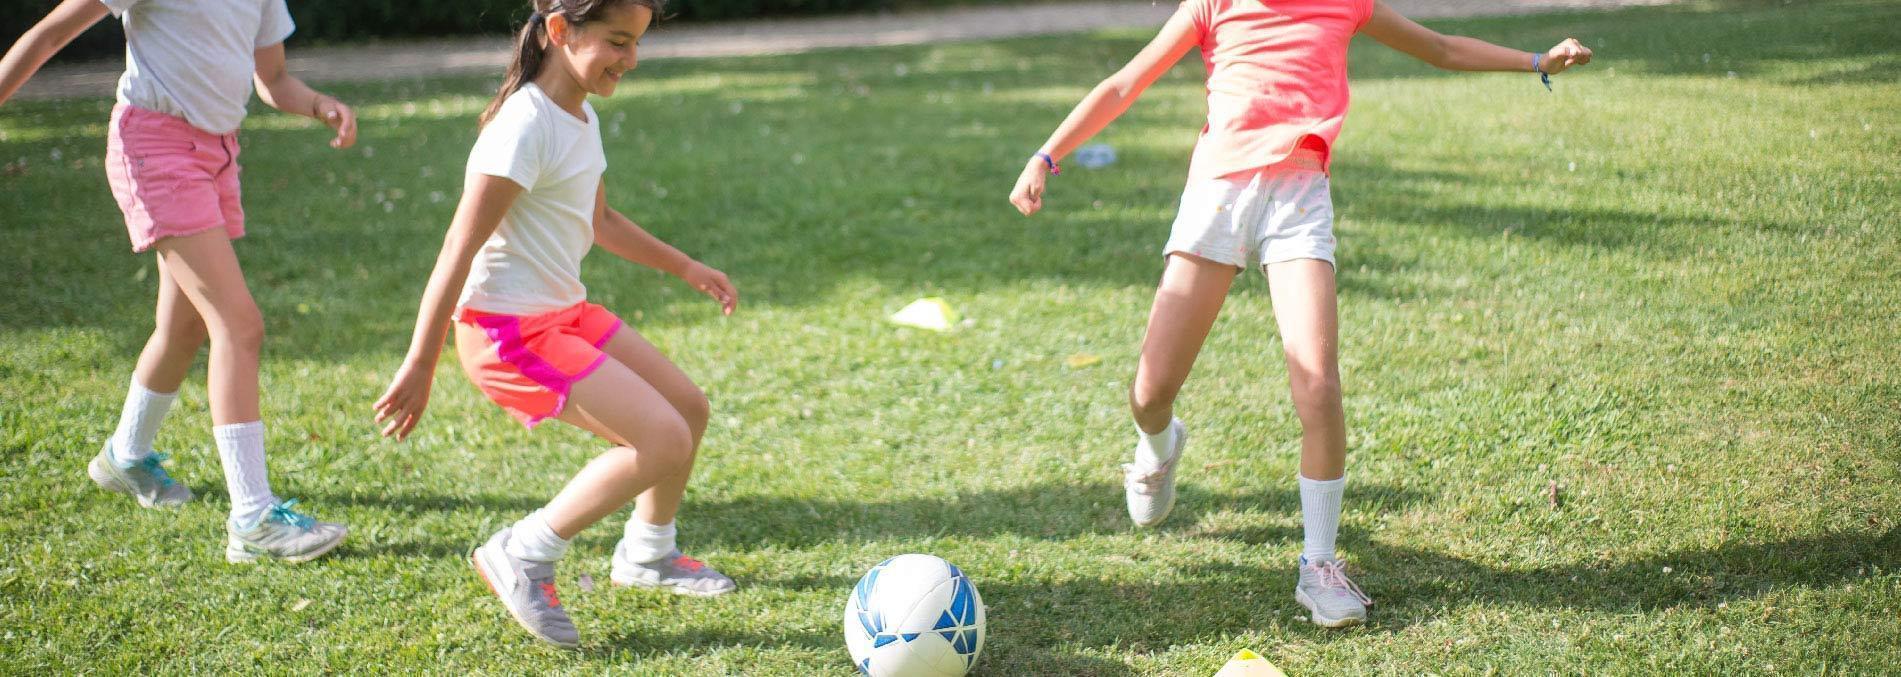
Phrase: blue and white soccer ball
(914, 616)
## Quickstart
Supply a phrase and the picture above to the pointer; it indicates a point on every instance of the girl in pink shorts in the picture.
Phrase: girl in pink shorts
(1258, 197)
(508, 279)
(172, 162)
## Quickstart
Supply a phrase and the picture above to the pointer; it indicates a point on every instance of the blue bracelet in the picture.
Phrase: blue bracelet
(1054, 170)
(1544, 77)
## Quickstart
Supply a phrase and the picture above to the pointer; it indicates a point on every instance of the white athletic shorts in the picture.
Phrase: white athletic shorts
(1280, 213)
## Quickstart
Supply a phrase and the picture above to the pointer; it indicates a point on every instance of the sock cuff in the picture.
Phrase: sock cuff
(235, 432)
(149, 393)
(1340, 481)
(654, 530)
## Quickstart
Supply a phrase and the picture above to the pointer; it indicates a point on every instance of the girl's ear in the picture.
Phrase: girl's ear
(559, 30)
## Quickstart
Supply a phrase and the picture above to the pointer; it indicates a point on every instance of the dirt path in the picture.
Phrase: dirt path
(429, 58)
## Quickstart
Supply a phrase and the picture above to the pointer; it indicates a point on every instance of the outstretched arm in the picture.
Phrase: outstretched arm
(285, 92)
(1459, 53)
(484, 200)
(622, 237)
(1105, 103)
(45, 39)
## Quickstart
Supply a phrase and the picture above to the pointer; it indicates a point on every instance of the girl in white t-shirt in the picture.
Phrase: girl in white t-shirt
(172, 162)
(533, 204)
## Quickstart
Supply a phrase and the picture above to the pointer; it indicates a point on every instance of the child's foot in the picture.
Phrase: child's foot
(526, 588)
(1327, 592)
(679, 573)
(145, 480)
(1151, 490)
(284, 534)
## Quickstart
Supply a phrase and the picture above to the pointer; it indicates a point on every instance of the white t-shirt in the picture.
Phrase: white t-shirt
(532, 264)
(194, 58)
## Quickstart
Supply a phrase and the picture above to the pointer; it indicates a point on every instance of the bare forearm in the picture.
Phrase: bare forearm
(622, 237)
(1460, 53)
(289, 94)
(438, 300)
(1102, 106)
(43, 40)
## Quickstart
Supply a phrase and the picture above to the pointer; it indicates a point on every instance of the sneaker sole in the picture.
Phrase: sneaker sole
(242, 556)
(689, 592)
(1323, 621)
(481, 569)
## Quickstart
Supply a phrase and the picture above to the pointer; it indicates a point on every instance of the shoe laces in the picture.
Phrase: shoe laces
(282, 513)
(154, 465)
(547, 590)
(689, 564)
(1146, 480)
(1333, 575)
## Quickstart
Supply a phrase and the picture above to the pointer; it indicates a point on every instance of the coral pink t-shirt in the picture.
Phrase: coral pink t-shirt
(1277, 79)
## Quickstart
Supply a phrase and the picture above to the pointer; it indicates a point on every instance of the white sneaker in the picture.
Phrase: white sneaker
(284, 534)
(1327, 592)
(145, 480)
(1151, 490)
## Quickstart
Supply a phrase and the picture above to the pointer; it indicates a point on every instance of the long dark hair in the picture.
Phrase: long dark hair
(530, 43)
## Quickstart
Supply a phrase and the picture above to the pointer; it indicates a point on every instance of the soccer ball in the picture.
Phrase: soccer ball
(914, 615)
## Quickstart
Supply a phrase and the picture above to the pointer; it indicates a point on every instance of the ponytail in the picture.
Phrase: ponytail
(531, 45)
(529, 53)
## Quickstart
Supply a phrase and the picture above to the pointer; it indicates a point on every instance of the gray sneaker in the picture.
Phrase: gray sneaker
(284, 534)
(1151, 491)
(526, 588)
(679, 573)
(145, 480)
(1327, 592)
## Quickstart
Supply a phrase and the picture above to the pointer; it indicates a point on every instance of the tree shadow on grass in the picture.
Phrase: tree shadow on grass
(1411, 586)
(1042, 511)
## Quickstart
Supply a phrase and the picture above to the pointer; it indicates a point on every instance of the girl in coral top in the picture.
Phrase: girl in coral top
(1258, 197)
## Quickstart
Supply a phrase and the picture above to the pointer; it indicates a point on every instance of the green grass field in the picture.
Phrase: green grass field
(1670, 288)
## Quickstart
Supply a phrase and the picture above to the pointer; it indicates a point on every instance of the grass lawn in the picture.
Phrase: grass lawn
(1669, 289)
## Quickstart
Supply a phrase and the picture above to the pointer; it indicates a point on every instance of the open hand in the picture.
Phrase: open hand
(1567, 54)
(712, 283)
(400, 407)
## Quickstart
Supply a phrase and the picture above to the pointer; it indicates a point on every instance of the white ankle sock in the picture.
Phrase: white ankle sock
(1320, 512)
(1149, 452)
(533, 539)
(648, 542)
(138, 423)
(241, 450)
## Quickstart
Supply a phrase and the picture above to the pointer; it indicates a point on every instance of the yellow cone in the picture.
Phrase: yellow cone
(927, 313)
(1249, 664)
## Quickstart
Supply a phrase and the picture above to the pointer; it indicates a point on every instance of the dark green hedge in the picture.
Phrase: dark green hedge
(339, 20)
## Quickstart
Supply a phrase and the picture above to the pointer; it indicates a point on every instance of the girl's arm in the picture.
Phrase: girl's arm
(484, 200)
(622, 237)
(283, 91)
(1103, 104)
(45, 39)
(1459, 53)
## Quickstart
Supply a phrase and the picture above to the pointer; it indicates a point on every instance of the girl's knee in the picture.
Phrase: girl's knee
(1150, 397)
(695, 410)
(242, 329)
(1315, 388)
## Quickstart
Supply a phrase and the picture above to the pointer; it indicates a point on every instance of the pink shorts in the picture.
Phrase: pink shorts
(528, 363)
(171, 179)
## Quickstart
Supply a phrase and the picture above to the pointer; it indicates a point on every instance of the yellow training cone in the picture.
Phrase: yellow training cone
(1249, 664)
(927, 313)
